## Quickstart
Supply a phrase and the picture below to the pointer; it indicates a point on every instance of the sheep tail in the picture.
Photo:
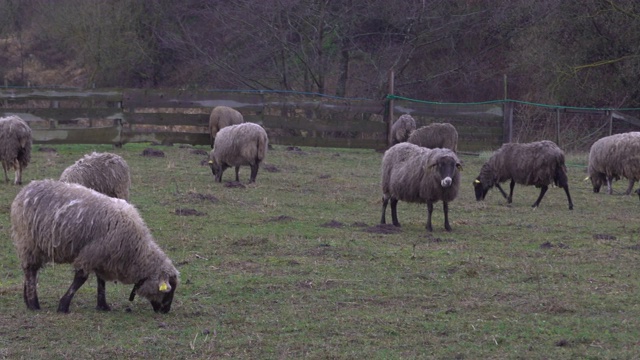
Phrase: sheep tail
(561, 179)
(262, 147)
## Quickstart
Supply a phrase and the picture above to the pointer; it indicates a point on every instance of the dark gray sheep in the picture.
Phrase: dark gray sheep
(222, 116)
(55, 221)
(538, 163)
(416, 174)
(237, 145)
(612, 157)
(402, 128)
(103, 172)
(436, 135)
(15, 146)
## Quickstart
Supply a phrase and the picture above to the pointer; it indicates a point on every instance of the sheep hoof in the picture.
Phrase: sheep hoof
(104, 307)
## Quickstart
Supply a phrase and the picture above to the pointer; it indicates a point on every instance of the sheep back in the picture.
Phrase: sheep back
(435, 135)
(402, 128)
(222, 116)
(613, 157)
(409, 174)
(238, 145)
(15, 145)
(104, 172)
(54, 221)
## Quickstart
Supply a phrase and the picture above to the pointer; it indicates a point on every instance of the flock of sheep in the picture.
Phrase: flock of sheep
(84, 218)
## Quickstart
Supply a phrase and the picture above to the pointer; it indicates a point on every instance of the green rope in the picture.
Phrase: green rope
(395, 97)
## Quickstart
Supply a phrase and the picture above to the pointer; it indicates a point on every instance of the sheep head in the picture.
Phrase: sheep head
(159, 292)
(484, 182)
(447, 167)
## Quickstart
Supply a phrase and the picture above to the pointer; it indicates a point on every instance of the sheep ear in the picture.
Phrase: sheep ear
(459, 166)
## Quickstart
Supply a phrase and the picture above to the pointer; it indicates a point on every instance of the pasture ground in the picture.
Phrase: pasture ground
(295, 266)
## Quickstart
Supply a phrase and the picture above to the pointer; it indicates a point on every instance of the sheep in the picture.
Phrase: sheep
(236, 145)
(402, 128)
(436, 135)
(612, 157)
(222, 116)
(416, 174)
(538, 163)
(103, 172)
(15, 146)
(55, 221)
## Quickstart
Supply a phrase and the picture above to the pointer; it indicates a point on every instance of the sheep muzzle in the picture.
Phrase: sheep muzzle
(446, 182)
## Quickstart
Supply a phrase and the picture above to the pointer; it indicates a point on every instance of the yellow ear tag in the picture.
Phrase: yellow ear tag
(477, 181)
(585, 179)
(210, 161)
(163, 286)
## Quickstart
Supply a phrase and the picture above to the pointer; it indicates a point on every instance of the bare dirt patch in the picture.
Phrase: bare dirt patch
(280, 218)
(383, 229)
(152, 152)
(270, 168)
(202, 197)
(47, 149)
(234, 184)
(333, 224)
(189, 212)
(198, 152)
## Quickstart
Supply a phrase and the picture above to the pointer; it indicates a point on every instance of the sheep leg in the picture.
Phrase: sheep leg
(18, 179)
(631, 182)
(79, 279)
(504, 194)
(511, 186)
(102, 297)
(543, 190)
(254, 172)
(429, 212)
(445, 208)
(609, 188)
(566, 190)
(4, 167)
(237, 172)
(30, 290)
(385, 201)
(394, 212)
(221, 170)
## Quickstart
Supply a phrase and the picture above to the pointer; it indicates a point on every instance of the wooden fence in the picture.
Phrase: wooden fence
(120, 116)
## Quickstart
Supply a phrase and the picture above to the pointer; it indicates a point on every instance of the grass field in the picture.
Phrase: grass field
(294, 266)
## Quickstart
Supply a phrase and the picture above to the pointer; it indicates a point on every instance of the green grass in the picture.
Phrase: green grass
(286, 268)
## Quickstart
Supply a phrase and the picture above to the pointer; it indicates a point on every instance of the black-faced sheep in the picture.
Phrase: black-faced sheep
(103, 172)
(15, 146)
(55, 221)
(402, 128)
(236, 145)
(538, 163)
(416, 174)
(612, 157)
(222, 116)
(436, 135)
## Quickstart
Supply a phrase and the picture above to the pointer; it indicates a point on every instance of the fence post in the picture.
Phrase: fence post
(610, 115)
(507, 127)
(390, 105)
(558, 127)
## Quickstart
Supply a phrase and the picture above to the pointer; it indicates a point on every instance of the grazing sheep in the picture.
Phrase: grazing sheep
(103, 172)
(436, 135)
(236, 145)
(416, 174)
(15, 146)
(402, 128)
(538, 163)
(222, 116)
(612, 157)
(55, 221)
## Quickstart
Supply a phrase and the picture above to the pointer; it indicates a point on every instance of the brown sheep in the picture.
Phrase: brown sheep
(55, 221)
(15, 146)
(436, 135)
(222, 116)
(416, 174)
(538, 163)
